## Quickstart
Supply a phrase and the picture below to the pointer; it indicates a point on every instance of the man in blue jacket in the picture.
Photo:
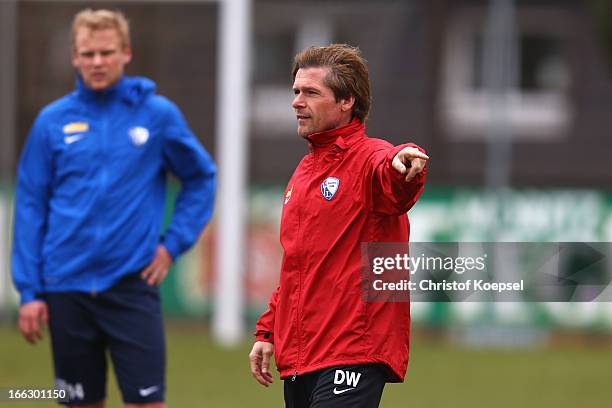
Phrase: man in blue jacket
(87, 253)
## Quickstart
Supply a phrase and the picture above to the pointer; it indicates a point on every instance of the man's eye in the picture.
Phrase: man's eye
(87, 54)
(107, 53)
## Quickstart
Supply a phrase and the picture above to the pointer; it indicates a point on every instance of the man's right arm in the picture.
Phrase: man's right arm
(30, 225)
(263, 349)
(395, 183)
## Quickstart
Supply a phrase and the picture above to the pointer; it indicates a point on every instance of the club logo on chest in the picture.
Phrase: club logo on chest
(329, 187)
(139, 135)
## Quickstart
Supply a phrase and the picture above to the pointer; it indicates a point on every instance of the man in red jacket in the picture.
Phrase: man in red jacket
(332, 347)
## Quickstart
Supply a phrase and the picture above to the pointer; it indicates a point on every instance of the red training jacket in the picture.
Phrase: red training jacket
(317, 317)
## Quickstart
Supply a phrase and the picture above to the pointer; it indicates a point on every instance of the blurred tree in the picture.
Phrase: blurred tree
(602, 14)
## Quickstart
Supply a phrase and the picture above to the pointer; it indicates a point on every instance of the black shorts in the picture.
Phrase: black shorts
(350, 386)
(127, 321)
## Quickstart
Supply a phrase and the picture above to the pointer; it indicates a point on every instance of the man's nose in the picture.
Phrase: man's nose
(298, 101)
(97, 59)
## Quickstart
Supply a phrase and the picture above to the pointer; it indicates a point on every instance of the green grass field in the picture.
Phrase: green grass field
(201, 374)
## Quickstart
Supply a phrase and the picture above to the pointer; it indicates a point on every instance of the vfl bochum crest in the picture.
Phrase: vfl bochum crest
(139, 135)
(329, 187)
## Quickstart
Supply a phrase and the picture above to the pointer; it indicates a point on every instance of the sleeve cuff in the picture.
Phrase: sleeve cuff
(27, 297)
(264, 336)
(172, 247)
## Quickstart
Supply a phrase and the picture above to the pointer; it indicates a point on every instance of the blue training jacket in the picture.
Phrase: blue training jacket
(91, 188)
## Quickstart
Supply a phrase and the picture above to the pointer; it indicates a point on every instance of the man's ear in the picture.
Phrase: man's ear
(347, 104)
(127, 55)
(75, 60)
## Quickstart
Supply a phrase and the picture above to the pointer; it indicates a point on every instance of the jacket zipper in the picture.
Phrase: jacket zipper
(103, 178)
(298, 314)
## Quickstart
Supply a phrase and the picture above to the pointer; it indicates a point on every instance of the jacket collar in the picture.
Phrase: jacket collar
(132, 90)
(342, 137)
(118, 90)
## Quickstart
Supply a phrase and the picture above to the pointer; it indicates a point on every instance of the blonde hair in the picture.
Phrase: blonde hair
(101, 20)
(348, 73)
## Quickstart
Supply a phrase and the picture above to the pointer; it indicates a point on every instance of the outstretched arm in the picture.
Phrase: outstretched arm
(397, 176)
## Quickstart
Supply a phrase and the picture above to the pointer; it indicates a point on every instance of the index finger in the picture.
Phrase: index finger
(415, 153)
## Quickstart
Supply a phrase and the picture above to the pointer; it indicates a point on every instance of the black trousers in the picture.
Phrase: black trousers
(351, 386)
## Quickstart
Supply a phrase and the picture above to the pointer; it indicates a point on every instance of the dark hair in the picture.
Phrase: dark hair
(348, 73)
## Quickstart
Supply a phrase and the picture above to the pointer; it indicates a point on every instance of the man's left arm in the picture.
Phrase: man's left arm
(185, 157)
(398, 178)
